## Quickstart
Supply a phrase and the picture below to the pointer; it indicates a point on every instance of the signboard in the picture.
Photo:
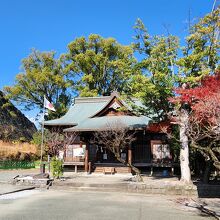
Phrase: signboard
(105, 157)
(61, 154)
(78, 152)
(160, 151)
(75, 150)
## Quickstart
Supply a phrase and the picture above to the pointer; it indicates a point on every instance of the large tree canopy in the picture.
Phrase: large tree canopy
(42, 75)
(201, 53)
(157, 65)
(100, 65)
(165, 65)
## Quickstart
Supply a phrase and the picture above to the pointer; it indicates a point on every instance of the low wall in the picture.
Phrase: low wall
(201, 191)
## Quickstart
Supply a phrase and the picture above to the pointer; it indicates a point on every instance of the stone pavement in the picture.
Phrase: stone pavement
(126, 183)
(122, 182)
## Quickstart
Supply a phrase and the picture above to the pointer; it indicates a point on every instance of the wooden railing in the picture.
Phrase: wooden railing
(74, 159)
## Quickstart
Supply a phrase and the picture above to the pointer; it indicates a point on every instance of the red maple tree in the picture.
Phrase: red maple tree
(204, 99)
(203, 104)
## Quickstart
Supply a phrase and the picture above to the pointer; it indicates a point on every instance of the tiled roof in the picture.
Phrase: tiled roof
(109, 122)
(80, 110)
(82, 115)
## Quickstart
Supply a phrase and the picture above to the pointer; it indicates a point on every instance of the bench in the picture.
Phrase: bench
(108, 170)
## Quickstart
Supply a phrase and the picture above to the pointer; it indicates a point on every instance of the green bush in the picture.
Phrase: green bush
(56, 167)
(37, 138)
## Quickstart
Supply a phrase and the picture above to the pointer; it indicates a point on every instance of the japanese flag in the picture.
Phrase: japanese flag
(48, 105)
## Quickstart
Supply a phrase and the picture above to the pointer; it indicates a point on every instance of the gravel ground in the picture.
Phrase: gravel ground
(7, 175)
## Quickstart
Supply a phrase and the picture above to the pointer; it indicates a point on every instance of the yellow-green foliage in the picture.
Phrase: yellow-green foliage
(12, 114)
(56, 167)
(201, 53)
(6, 105)
(105, 65)
(163, 67)
(43, 75)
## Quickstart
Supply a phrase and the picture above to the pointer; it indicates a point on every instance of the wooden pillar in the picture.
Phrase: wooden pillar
(172, 171)
(129, 157)
(151, 170)
(90, 167)
(86, 158)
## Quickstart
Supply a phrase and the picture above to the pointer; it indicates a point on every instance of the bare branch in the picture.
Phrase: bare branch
(116, 137)
(58, 140)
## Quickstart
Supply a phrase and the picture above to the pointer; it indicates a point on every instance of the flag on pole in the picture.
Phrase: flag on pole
(48, 105)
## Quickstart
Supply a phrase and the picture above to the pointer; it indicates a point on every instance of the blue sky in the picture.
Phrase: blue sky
(52, 24)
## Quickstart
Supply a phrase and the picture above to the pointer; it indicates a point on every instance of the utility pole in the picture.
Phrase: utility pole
(213, 6)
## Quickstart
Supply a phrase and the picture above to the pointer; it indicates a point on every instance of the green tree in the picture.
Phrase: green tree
(201, 53)
(166, 65)
(157, 65)
(164, 69)
(200, 58)
(42, 75)
(101, 65)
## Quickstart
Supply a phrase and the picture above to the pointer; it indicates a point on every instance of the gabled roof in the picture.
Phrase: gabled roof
(113, 96)
(81, 109)
(84, 115)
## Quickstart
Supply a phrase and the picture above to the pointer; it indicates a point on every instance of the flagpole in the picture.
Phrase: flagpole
(42, 134)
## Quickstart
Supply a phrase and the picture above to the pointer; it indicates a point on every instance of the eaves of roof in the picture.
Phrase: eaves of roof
(111, 122)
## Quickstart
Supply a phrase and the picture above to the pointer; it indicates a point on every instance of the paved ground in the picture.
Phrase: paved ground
(92, 205)
(7, 188)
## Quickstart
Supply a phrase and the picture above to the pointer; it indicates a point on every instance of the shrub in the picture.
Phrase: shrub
(56, 167)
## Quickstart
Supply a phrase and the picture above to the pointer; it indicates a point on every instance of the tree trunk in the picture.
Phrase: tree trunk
(184, 151)
(133, 168)
(217, 165)
(215, 159)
